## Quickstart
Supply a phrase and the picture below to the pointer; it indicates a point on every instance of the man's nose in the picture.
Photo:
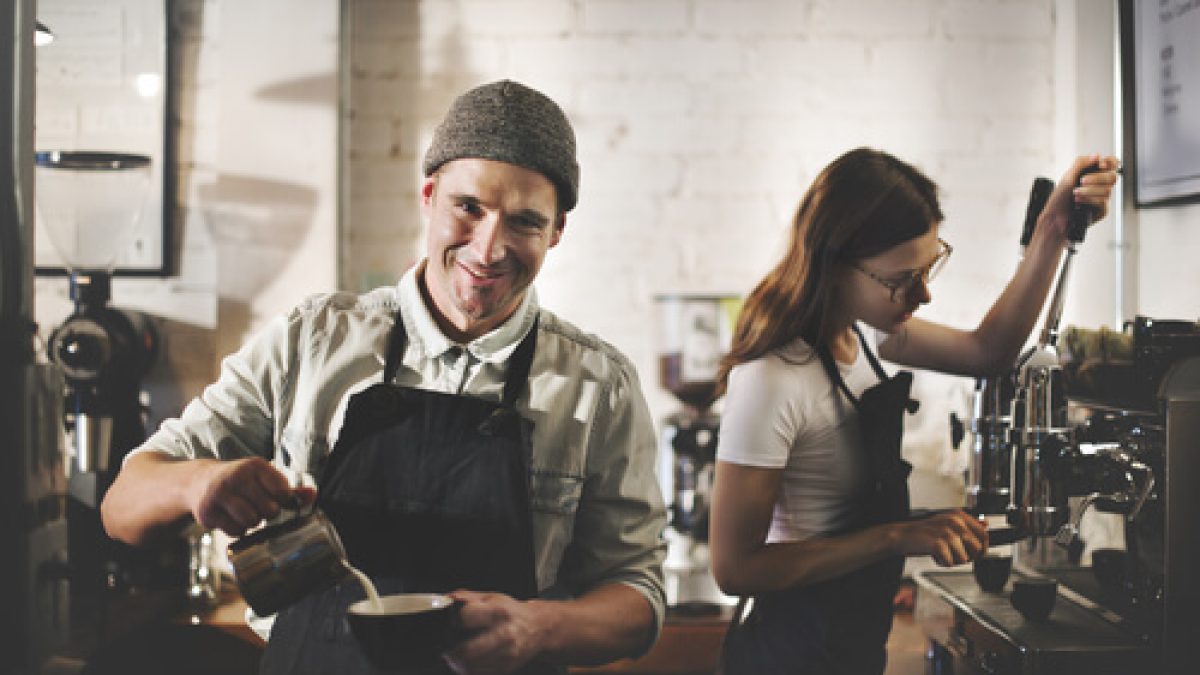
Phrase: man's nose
(488, 239)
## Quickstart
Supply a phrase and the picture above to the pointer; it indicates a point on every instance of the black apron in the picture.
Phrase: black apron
(840, 625)
(429, 493)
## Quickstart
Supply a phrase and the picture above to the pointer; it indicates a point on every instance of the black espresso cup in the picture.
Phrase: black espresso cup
(991, 571)
(1034, 597)
(408, 632)
(1109, 565)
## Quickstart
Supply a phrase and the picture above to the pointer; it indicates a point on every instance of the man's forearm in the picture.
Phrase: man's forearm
(149, 495)
(607, 623)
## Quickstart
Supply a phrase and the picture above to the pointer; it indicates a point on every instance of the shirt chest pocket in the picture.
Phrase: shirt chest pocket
(301, 451)
(554, 493)
(554, 500)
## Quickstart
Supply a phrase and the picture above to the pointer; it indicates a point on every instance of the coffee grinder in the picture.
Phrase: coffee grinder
(695, 332)
(89, 203)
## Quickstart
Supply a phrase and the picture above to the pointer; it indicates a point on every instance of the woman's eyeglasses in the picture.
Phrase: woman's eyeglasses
(906, 281)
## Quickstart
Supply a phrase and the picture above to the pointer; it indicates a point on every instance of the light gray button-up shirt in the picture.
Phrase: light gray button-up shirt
(598, 514)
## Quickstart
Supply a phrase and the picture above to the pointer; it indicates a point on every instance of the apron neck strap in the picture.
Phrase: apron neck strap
(835, 375)
(875, 365)
(518, 365)
(397, 339)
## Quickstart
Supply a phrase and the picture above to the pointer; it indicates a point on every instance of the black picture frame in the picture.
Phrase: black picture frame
(156, 257)
(1147, 58)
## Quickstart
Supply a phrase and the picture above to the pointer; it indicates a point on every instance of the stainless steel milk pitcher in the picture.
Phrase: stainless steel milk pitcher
(287, 560)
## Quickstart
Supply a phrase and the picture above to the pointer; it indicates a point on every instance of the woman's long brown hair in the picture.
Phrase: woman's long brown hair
(862, 204)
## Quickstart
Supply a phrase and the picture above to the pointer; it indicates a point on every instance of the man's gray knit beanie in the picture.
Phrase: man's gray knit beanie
(509, 122)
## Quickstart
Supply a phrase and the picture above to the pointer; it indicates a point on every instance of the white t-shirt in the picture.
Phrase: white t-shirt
(782, 412)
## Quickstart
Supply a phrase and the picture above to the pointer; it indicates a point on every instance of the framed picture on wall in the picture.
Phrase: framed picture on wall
(103, 103)
(1161, 80)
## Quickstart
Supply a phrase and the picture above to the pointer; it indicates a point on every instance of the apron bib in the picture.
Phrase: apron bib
(429, 493)
(840, 625)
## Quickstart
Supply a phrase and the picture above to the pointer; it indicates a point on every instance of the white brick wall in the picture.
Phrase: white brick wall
(700, 124)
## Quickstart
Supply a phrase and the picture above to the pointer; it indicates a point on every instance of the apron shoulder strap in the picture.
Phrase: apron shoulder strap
(519, 365)
(835, 376)
(875, 365)
(910, 404)
(514, 379)
(397, 339)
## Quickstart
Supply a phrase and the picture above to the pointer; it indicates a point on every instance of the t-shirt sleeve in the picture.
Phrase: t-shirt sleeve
(761, 417)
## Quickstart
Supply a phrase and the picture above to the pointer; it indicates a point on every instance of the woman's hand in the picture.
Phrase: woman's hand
(1095, 190)
(950, 538)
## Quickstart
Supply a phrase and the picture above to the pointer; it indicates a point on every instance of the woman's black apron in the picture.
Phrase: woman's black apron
(840, 625)
(429, 493)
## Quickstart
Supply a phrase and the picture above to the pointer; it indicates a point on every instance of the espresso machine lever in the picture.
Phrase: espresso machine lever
(988, 472)
(1038, 501)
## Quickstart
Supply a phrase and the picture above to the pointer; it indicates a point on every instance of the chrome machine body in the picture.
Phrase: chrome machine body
(34, 605)
(1102, 457)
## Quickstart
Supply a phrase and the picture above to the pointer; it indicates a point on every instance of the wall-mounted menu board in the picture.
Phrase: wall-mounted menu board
(1163, 50)
(102, 86)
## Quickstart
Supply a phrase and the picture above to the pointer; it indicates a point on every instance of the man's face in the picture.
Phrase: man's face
(490, 225)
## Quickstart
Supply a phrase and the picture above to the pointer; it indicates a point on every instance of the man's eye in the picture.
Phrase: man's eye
(470, 208)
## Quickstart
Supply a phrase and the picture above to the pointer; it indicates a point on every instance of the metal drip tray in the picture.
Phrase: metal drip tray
(977, 631)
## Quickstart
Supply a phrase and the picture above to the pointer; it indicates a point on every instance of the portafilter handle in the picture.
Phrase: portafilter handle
(1039, 194)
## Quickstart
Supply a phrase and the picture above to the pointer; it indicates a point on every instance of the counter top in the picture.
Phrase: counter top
(687, 646)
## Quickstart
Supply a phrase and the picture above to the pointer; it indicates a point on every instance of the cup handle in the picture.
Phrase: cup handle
(457, 632)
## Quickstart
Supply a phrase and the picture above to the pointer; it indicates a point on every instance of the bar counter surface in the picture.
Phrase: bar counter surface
(688, 645)
(145, 629)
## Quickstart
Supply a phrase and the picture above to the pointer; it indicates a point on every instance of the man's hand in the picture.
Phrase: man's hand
(237, 495)
(507, 633)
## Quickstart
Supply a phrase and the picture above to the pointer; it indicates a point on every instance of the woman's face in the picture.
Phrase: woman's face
(886, 289)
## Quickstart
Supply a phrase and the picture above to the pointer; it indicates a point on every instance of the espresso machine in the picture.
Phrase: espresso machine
(89, 202)
(695, 332)
(1106, 429)
(34, 606)
(987, 484)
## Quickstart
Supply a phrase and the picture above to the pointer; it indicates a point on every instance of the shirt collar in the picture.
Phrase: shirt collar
(423, 332)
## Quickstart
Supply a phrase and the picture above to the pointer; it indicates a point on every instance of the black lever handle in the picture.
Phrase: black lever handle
(1082, 215)
(1039, 194)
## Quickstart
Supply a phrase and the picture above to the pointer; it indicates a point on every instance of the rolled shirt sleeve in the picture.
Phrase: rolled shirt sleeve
(620, 523)
(235, 416)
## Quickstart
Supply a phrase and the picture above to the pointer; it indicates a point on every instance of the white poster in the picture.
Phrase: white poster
(1166, 43)
(102, 87)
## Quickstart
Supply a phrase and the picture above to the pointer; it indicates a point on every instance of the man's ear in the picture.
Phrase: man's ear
(427, 191)
(559, 225)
